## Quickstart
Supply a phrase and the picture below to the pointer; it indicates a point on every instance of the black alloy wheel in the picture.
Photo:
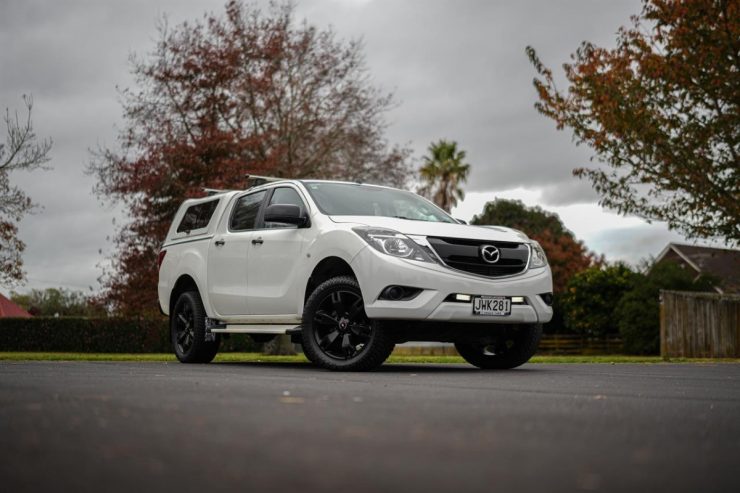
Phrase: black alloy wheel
(336, 332)
(512, 347)
(342, 330)
(188, 330)
(184, 328)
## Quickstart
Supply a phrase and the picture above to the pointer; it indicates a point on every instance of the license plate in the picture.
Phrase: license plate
(497, 306)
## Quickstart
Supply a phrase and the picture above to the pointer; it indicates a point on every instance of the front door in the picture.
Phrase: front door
(228, 256)
(273, 287)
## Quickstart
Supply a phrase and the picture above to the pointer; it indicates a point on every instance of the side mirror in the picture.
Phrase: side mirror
(461, 221)
(285, 213)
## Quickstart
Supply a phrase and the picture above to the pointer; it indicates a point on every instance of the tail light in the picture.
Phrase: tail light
(160, 258)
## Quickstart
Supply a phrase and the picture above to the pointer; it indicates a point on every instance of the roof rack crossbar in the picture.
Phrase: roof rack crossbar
(258, 180)
(214, 191)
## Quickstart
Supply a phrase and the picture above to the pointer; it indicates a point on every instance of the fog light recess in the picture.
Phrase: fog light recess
(399, 293)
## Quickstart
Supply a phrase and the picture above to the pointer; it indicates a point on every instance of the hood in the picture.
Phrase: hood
(445, 230)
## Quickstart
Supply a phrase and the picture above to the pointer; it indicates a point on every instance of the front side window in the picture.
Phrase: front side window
(197, 216)
(349, 199)
(285, 195)
(245, 212)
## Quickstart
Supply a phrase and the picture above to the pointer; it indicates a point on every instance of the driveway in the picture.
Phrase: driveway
(74, 426)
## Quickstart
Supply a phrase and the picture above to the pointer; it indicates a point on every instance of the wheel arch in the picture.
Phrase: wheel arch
(184, 283)
(326, 269)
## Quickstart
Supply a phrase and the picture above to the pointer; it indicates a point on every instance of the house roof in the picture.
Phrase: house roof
(9, 309)
(722, 263)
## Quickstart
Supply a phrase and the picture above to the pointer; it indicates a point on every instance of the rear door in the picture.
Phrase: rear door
(228, 255)
(273, 285)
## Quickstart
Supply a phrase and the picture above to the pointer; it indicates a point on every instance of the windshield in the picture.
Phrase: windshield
(349, 199)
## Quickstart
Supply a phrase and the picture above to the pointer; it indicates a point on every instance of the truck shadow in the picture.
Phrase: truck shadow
(449, 368)
(408, 368)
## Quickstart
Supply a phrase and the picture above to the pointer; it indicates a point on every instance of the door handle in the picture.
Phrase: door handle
(258, 241)
(220, 243)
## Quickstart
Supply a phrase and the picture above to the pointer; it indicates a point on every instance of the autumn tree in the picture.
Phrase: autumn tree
(661, 111)
(565, 253)
(247, 91)
(22, 150)
(443, 173)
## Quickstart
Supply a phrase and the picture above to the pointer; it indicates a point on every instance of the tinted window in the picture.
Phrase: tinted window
(285, 195)
(197, 216)
(346, 199)
(245, 211)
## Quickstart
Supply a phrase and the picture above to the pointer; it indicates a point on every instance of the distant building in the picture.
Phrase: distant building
(718, 263)
(8, 309)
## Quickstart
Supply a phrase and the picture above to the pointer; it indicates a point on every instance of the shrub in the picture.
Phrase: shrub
(638, 312)
(591, 297)
(638, 315)
(97, 335)
(557, 324)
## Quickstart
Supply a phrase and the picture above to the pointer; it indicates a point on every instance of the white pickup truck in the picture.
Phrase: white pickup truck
(349, 270)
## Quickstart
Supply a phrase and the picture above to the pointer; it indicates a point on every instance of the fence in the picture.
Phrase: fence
(568, 344)
(699, 325)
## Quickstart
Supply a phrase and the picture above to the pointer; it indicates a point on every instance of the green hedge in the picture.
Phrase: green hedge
(97, 335)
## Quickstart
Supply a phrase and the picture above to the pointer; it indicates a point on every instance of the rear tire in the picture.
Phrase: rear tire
(188, 330)
(514, 347)
(336, 333)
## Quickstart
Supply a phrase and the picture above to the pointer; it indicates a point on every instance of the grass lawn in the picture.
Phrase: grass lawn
(261, 358)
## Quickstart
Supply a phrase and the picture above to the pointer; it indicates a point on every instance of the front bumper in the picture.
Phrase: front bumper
(375, 271)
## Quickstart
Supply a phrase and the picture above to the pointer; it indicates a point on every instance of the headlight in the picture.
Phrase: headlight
(538, 258)
(393, 243)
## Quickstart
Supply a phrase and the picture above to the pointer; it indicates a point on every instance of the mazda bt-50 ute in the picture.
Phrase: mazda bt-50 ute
(348, 270)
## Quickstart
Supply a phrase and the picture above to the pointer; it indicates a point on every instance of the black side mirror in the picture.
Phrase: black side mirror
(461, 221)
(285, 213)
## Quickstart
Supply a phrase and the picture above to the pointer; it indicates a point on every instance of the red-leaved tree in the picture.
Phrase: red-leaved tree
(249, 91)
(661, 113)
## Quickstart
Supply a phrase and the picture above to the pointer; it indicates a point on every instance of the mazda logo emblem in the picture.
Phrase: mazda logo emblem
(489, 254)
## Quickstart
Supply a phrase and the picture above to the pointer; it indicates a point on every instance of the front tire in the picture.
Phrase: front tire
(336, 333)
(513, 347)
(188, 330)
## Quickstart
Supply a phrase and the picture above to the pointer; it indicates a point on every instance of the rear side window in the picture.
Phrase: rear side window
(197, 216)
(245, 212)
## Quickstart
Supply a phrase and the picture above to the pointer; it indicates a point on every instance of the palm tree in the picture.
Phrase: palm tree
(442, 174)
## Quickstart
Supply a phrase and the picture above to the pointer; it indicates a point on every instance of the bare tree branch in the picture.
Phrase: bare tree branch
(22, 150)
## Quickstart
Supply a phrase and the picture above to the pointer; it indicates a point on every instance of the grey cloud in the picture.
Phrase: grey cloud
(458, 70)
(638, 243)
(569, 192)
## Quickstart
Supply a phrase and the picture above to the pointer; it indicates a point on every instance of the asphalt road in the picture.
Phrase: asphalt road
(269, 427)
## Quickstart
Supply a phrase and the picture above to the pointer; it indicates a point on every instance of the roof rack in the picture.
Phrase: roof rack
(257, 180)
(214, 191)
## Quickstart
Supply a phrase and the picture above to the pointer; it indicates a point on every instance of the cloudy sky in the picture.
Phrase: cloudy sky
(458, 69)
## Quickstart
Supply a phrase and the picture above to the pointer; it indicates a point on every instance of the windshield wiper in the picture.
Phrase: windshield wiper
(411, 218)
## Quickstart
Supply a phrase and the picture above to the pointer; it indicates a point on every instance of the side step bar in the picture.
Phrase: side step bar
(255, 329)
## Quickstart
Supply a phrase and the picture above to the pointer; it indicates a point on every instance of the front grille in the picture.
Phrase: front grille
(465, 255)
